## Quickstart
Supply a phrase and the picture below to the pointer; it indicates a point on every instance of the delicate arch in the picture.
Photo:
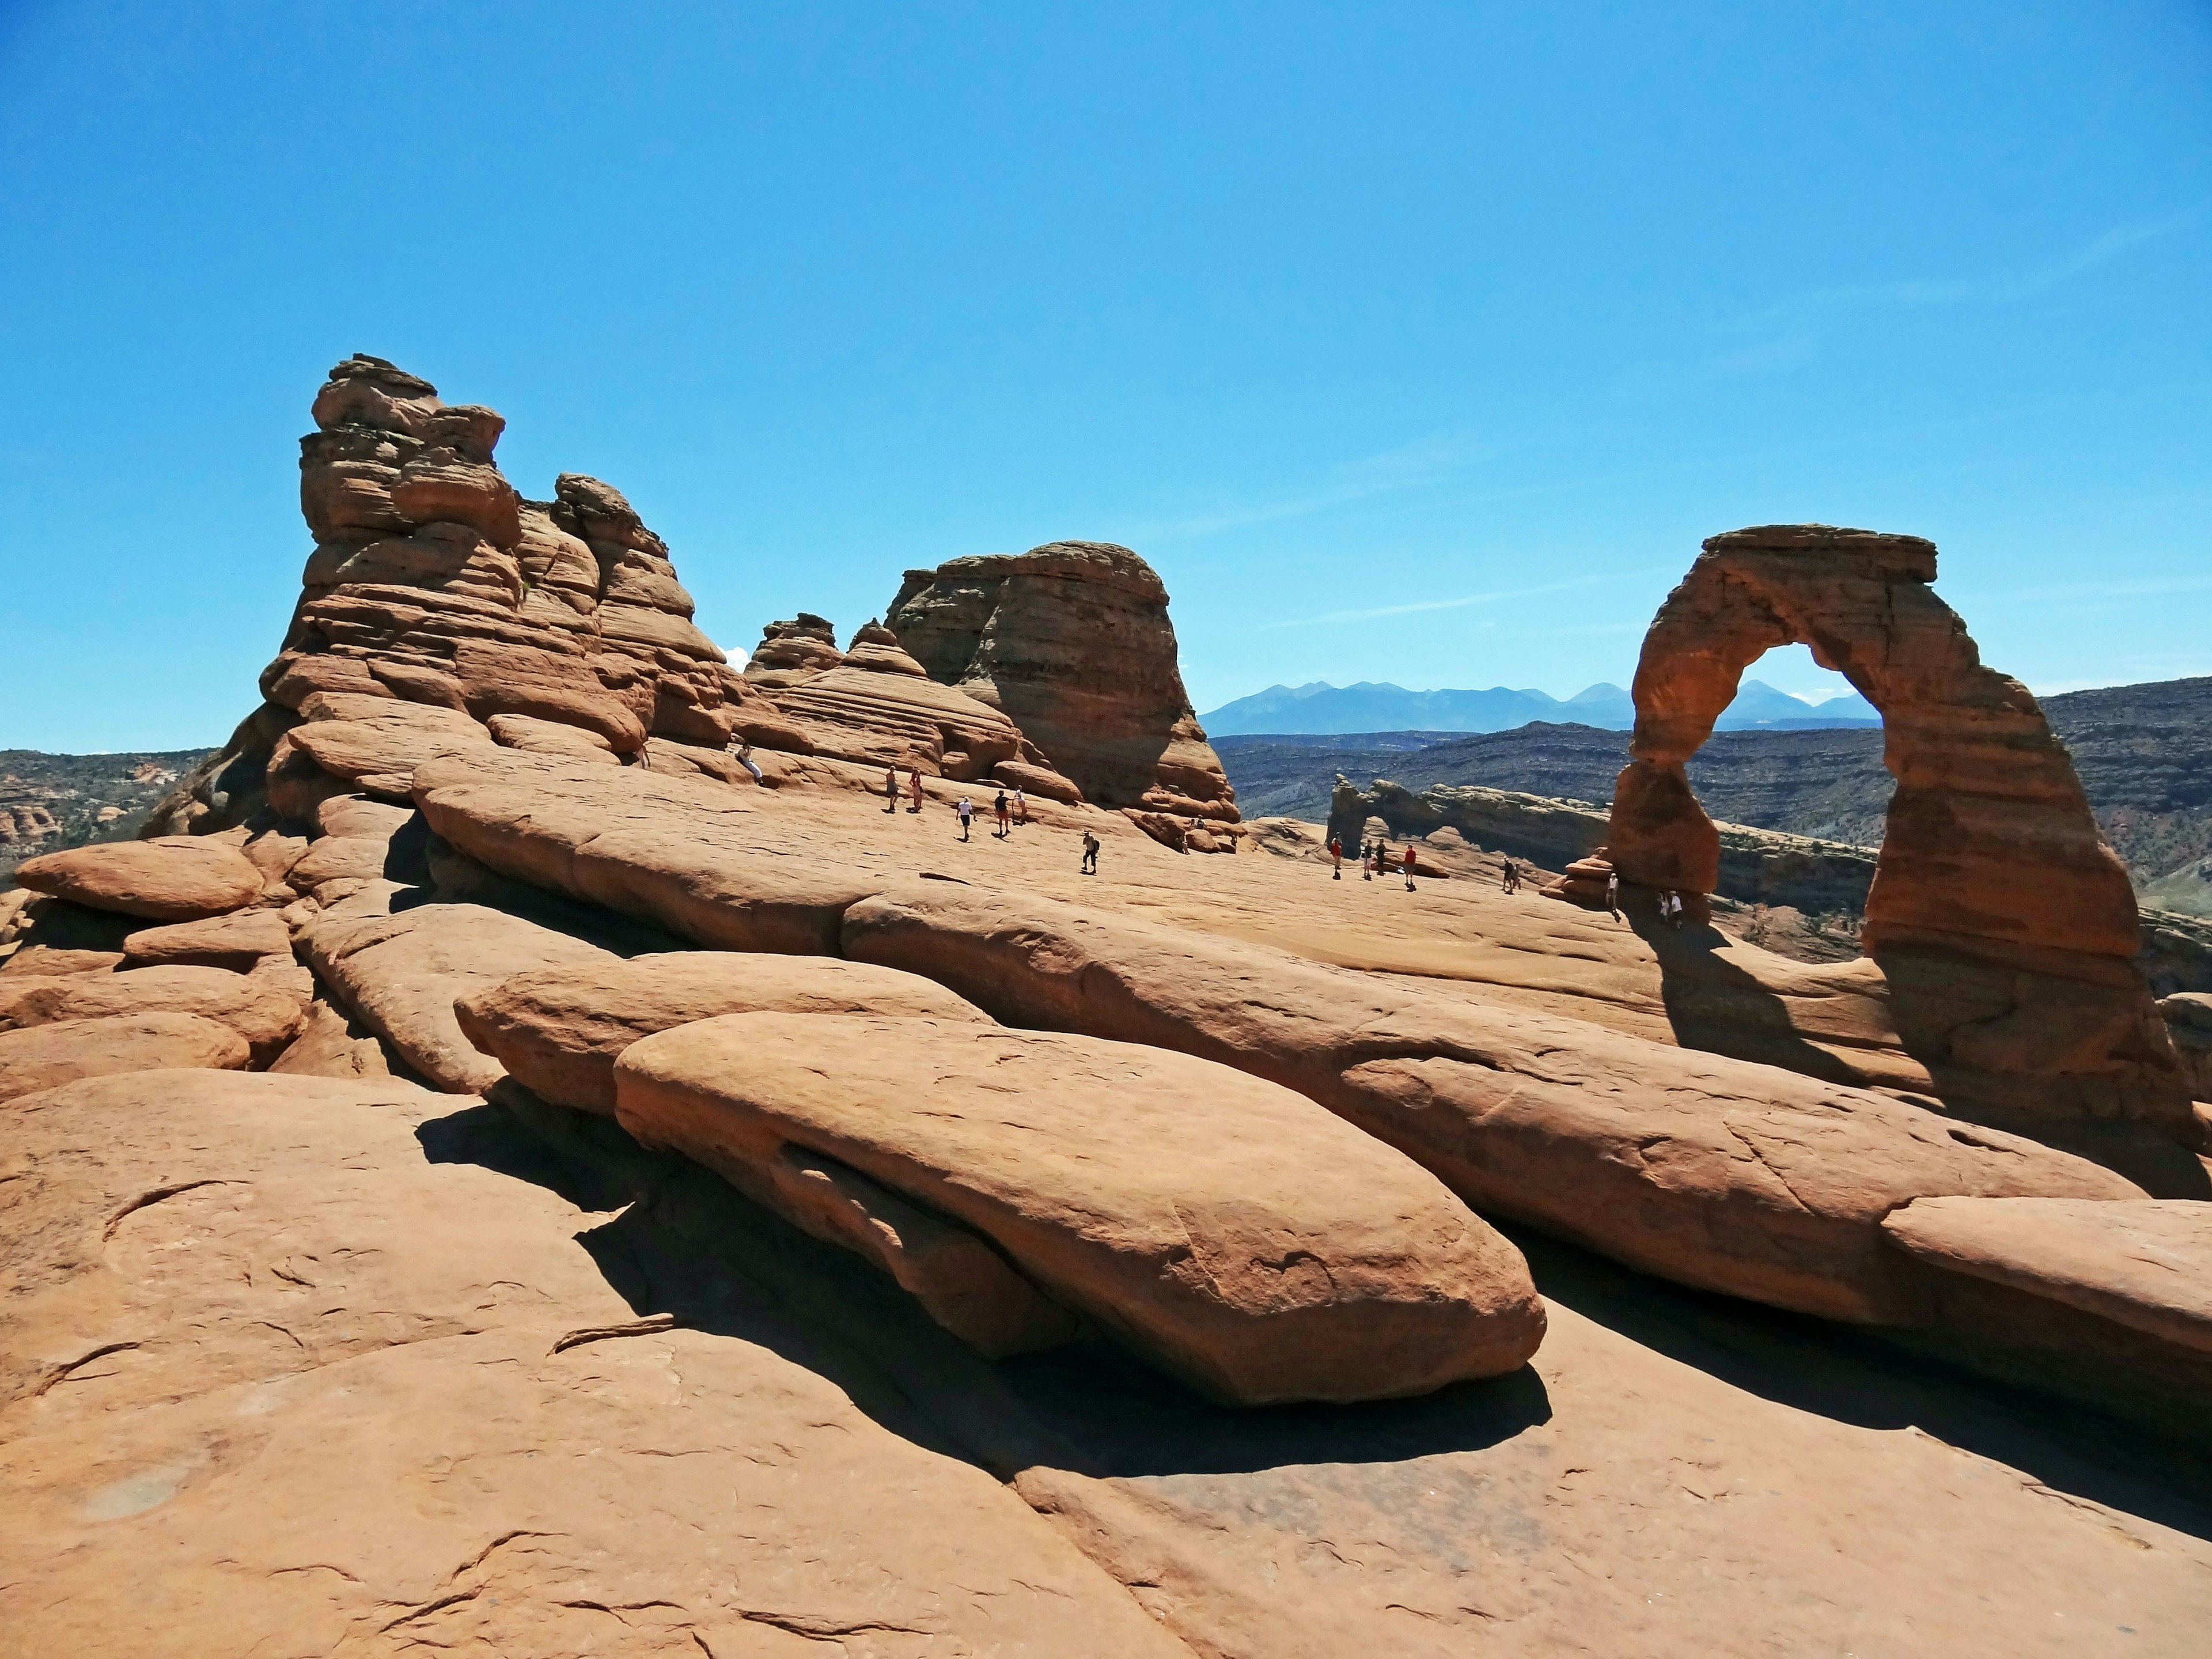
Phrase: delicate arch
(2004, 923)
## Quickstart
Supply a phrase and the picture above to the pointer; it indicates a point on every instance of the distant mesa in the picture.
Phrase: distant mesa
(1370, 706)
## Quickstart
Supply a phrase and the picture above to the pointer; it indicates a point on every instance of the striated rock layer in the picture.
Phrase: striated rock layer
(434, 582)
(1071, 642)
(2005, 926)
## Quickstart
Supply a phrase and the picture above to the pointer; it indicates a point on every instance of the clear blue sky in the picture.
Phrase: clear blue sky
(1411, 342)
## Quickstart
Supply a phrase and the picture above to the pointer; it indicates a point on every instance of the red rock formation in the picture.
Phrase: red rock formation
(2004, 924)
(1072, 642)
(433, 583)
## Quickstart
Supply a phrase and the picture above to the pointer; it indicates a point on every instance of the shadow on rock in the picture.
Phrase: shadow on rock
(1867, 1378)
(679, 1240)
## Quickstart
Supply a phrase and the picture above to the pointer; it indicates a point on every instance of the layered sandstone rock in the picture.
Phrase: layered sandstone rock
(1224, 1227)
(559, 1032)
(45, 1056)
(433, 585)
(2006, 927)
(288, 1369)
(173, 878)
(401, 972)
(876, 705)
(1072, 642)
(267, 1013)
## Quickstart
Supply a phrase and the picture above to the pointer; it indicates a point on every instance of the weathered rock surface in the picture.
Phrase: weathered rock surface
(559, 1032)
(231, 1298)
(267, 1014)
(1072, 642)
(1223, 1227)
(236, 941)
(2146, 1265)
(333, 1043)
(50, 1054)
(433, 587)
(2004, 924)
(173, 878)
(400, 974)
(1708, 1171)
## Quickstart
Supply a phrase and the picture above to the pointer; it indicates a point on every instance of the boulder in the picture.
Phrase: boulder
(558, 1031)
(1225, 1228)
(175, 878)
(1072, 642)
(1712, 1172)
(267, 1013)
(284, 1358)
(48, 962)
(400, 975)
(45, 1056)
(236, 941)
(333, 1044)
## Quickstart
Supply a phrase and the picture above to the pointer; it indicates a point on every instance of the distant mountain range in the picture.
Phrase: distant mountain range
(1372, 707)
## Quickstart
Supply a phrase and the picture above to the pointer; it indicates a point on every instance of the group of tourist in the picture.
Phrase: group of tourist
(1374, 860)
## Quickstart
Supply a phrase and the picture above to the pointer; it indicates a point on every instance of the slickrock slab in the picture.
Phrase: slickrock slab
(539, 737)
(1223, 1226)
(341, 858)
(267, 1012)
(232, 1299)
(46, 961)
(400, 975)
(1708, 1171)
(173, 878)
(558, 1032)
(395, 738)
(236, 941)
(678, 851)
(2146, 1265)
(45, 1056)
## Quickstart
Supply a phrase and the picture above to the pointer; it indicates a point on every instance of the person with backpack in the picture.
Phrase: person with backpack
(1089, 853)
(1003, 810)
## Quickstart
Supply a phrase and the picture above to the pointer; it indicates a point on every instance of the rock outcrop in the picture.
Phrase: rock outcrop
(436, 588)
(1224, 1226)
(559, 1032)
(2005, 926)
(1072, 642)
(173, 878)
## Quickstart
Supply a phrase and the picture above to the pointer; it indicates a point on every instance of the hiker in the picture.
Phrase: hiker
(890, 789)
(1002, 810)
(1410, 861)
(1512, 877)
(1182, 838)
(1613, 893)
(1335, 858)
(744, 751)
(1671, 908)
(914, 788)
(1021, 806)
(1089, 853)
(967, 811)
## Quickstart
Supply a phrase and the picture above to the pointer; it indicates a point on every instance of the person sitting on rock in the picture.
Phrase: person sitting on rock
(967, 811)
(743, 753)
(1089, 853)
(1000, 807)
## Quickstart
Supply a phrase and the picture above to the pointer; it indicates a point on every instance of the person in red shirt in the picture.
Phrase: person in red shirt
(1409, 867)
(1335, 858)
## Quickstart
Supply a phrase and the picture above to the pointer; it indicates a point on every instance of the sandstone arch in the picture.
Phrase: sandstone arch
(2004, 924)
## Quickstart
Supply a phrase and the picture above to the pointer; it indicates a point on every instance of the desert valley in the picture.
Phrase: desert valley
(553, 1141)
